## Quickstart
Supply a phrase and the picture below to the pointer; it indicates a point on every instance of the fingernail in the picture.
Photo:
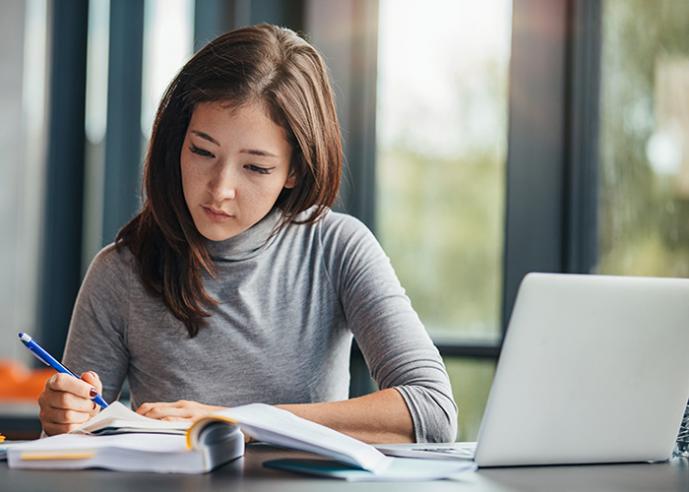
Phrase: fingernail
(93, 374)
(93, 392)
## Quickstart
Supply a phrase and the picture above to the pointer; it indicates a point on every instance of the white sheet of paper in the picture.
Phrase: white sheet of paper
(117, 415)
(280, 427)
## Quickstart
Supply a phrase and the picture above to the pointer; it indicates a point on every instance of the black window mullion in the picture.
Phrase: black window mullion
(537, 138)
(211, 19)
(64, 185)
(124, 138)
(359, 189)
(582, 150)
(285, 13)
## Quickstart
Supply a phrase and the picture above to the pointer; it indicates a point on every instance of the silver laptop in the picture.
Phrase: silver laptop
(593, 369)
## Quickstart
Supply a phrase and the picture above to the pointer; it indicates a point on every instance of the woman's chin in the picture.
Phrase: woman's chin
(214, 233)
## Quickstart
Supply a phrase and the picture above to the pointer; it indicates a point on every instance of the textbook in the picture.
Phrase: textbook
(119, 439)
(163, 453)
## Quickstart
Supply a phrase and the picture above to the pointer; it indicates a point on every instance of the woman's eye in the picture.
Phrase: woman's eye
(258, 169)
(200, 151)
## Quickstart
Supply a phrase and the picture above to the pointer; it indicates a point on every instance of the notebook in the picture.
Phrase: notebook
(399, 470)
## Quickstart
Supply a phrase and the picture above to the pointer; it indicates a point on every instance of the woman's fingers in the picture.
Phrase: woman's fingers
(70, 384)
(177, 419)
(145, 407)
(62, 416)
(59, 421)
(53, 429)
(68, 401)
(92, 378)
(178, 410)
(162, 410)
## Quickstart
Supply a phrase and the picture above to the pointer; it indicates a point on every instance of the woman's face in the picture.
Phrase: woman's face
(235, 161)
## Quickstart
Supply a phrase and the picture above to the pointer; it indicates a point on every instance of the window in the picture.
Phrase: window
(644, 145)
(22, 120)
(441, 152)
(168, 41)
(95, 126)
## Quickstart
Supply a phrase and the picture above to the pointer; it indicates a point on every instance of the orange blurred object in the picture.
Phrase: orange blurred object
(19, 383)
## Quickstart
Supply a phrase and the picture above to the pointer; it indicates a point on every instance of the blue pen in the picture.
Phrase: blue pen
(49, 360)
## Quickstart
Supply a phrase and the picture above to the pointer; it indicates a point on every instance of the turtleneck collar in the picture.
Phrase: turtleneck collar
(248, 243)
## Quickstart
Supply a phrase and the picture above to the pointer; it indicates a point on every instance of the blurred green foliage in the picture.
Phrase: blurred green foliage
(643, 219)
(442, 226)
(441, 218)
(471, 380)
(441, 222)
(441, 198)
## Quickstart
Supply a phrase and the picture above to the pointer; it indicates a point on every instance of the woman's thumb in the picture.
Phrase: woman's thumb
(93, 379)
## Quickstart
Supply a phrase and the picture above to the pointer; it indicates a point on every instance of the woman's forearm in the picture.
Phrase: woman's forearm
(380, 417)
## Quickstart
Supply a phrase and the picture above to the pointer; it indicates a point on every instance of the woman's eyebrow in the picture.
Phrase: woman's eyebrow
(205, 136)
(263, 153)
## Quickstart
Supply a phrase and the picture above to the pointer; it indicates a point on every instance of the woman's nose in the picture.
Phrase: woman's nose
(223, 186)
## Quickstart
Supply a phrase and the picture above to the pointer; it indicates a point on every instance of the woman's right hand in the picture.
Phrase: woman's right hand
(66, 402)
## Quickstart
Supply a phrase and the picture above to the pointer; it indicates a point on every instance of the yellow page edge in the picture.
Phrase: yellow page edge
(56, 455)
(201, 422)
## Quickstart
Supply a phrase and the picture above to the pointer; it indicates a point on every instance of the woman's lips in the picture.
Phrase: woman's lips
(216, 215)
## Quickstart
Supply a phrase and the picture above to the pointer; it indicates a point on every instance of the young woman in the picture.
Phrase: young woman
(236, 283)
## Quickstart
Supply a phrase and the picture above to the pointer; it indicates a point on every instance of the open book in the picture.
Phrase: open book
(120, 439)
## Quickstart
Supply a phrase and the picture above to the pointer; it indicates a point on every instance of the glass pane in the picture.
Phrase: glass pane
(471, 380)
(441, 146)
(644, 146)
(168, 44)
(95, 126)
(24, 54)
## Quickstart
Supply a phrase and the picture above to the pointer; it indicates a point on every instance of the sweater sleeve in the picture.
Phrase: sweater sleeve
(97, 332)
(395, 345)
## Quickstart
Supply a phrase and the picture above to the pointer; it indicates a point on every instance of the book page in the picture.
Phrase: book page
(118, 419)
(282, 428)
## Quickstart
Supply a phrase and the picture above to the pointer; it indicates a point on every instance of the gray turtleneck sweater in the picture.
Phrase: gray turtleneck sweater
(289, 305)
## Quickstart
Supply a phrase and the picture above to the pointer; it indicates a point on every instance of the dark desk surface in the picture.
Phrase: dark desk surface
(248, 474)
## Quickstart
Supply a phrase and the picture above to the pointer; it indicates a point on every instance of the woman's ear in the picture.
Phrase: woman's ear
(291, 181)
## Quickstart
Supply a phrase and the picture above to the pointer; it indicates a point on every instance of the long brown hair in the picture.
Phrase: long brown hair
(266, 63)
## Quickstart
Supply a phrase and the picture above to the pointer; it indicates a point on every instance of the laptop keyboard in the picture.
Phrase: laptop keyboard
(455, 450)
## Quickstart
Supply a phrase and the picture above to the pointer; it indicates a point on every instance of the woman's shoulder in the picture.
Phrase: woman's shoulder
(113, 263)
(335, 224)
(339, 234)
